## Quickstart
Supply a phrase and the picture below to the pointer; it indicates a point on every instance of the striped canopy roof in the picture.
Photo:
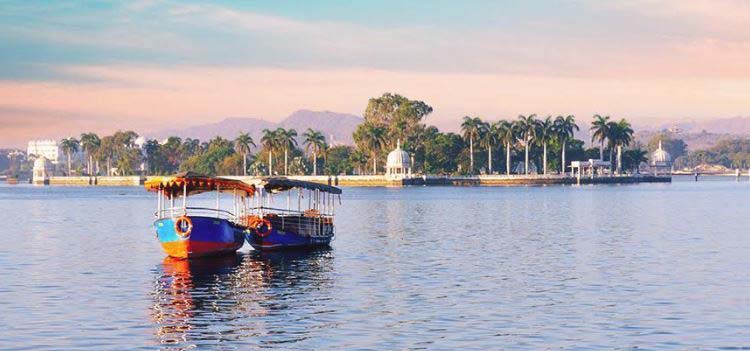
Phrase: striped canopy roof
(196, 183)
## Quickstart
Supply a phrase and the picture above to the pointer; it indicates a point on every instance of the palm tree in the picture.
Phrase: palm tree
(372, 138)
(190, 147)
(506, 134)
(621, 134)
(269, 141)
(315, 142)
(90, 143)
(526, 127)
(471, 127)
(565, 128)
(106, 152)
(545, 132)
(601, 132)
(358, 159)
(242, 144)
(488, 138)
(286, 138)
(151, 148)
(637, 156)
(69, 146)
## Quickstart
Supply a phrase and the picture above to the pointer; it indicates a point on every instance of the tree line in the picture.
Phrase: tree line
(525, 145)
(529, 142)
(730, 153)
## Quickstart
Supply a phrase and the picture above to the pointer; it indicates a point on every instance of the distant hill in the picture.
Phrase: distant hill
(734, 125)
(694, 141)
(699, 135)
(337, 127)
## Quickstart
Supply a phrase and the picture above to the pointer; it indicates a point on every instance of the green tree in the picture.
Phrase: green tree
(526, 127)
(371, 139)
(314, 143)
(286, 139)
(190, 147)
(601, 132)
(243, 145)
(488, 138)
(506, 134)
(172, 154)
(269, 142)
(621, 135)
(565, 128)
(472, 128)
(211, 161)
(400, 116)
(545, 133)
(152, 149)
(358, 160)
(69, 146)
(90, 144)
(106, 152)
(339, 160)
(632, 159)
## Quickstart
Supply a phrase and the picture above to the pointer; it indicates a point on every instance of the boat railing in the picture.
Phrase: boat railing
(173, 212)
(309, 222)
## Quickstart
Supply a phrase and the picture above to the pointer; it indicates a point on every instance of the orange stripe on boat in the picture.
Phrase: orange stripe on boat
(188, 248)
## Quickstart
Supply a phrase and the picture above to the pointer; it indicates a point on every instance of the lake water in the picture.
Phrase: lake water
(650, 266)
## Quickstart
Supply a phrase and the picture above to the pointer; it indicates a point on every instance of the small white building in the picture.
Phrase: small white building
(661, 161)
(44, 148)
(42, 171)
(590, 167)
(398, 164)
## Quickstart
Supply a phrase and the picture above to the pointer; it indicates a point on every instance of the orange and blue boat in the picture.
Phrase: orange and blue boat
(188, 232)
(258, 215)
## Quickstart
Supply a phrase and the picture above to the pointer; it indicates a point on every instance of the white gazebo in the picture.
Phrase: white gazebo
(42, 171)
(398, 165)
(590, 168)
(661, 161)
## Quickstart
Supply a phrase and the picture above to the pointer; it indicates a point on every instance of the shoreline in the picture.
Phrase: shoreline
(383, 181)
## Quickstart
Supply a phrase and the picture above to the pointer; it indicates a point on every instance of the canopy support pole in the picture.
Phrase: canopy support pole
(184, 198)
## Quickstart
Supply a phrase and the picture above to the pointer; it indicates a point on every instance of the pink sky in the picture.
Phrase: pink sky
(645, 60)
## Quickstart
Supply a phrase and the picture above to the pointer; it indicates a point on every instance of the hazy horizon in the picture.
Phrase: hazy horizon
(66, 68)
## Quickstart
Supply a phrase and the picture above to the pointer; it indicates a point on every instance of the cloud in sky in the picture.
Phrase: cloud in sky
(151, 64)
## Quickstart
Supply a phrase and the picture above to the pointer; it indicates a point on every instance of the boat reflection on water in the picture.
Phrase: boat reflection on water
(245, 298)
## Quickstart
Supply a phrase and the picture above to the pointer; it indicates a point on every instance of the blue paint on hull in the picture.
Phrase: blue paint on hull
(212, 234)
(280, 240)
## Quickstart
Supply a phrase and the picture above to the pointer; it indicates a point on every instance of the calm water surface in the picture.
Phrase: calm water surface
(652, 266)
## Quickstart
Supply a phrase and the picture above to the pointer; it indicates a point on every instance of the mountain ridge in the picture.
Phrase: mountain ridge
(337, 127)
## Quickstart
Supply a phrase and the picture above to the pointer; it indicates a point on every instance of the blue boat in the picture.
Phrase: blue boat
(189, 232)
(270, 227)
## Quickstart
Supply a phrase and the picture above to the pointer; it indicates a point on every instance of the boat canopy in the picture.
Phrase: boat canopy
(196, 183)
(279, 184)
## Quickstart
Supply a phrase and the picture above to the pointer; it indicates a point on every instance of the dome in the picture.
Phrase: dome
(398, 158)
(660, 156)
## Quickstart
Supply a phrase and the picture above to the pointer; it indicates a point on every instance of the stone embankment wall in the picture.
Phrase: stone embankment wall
(101, 181)
(484, 180)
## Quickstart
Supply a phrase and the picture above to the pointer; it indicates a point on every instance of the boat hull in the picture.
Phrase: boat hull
(277, 240)
(208, 237)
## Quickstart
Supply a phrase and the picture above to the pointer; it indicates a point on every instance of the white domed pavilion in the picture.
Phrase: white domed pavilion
(661, 161)
(398, 164)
